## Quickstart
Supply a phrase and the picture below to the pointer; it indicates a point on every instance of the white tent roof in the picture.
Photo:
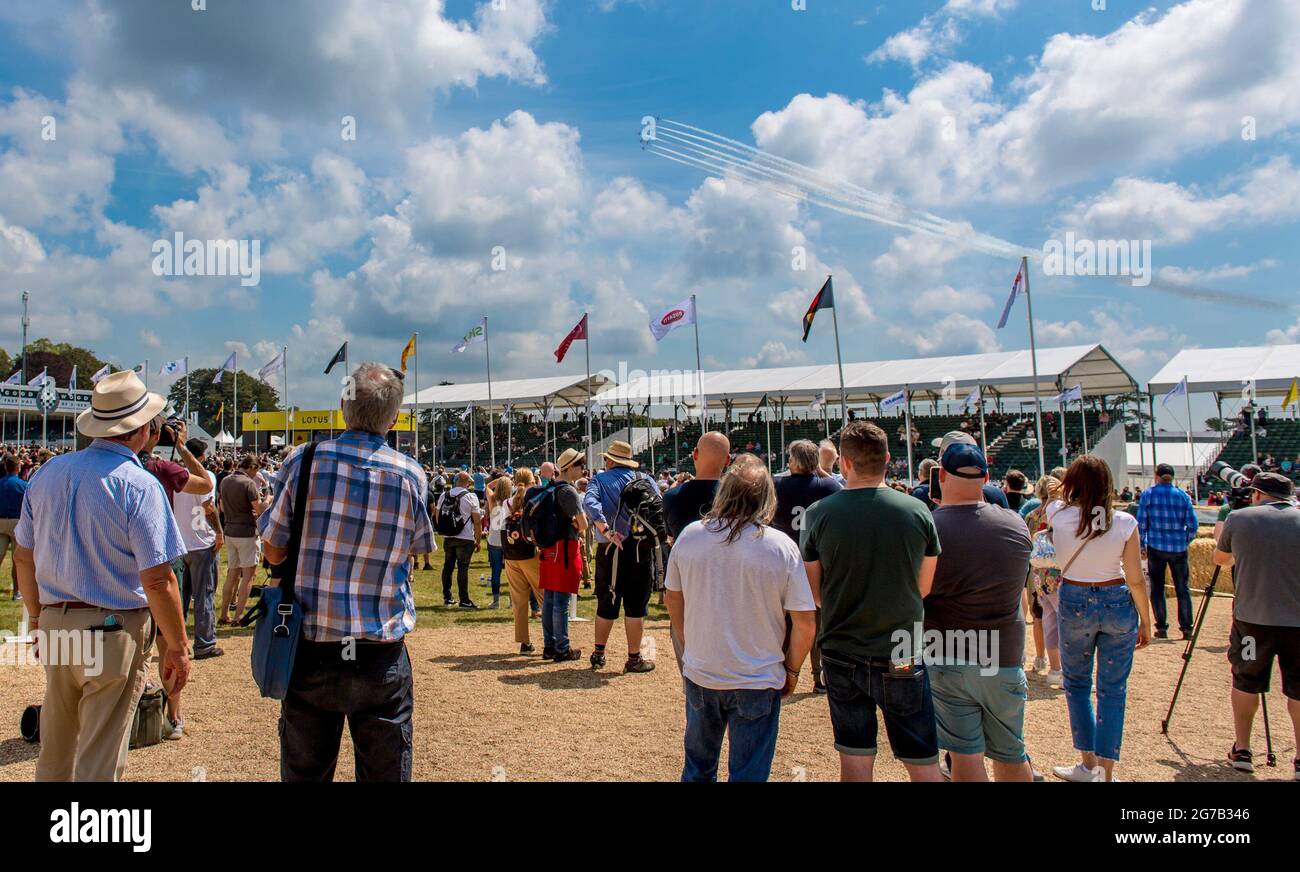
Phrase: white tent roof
(559, 390)
(1226, 370)
(1004, 373)
(224, 438)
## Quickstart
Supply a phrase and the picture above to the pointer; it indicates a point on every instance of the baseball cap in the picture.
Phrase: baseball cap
(955, 437)
(1163, 470)
(964, 461)
(1272, 484)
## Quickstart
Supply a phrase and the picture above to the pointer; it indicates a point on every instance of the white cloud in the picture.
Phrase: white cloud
(936, 34)
(149, 339)
(1190, 275)
(955, 333)
(774, 353)
(625, 209)
(1121, 331)
(941, 301)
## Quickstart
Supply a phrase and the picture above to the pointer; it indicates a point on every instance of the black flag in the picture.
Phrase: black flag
(825, 299)
(339, 357)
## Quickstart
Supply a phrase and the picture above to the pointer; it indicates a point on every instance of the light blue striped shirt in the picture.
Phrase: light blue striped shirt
(95, 519)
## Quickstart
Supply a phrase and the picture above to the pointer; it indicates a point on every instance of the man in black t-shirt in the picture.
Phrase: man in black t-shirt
(691, 500)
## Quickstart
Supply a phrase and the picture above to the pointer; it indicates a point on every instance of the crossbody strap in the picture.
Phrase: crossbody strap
(301, 493)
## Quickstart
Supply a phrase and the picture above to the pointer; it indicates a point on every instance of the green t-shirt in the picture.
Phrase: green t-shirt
(1225, 510)
(870, 542)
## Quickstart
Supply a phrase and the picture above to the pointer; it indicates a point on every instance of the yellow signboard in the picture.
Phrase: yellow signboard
(304, 421)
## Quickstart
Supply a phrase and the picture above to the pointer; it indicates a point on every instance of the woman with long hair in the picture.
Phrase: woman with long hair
(521, 564)
(1105, 613)
(498, 509)
(1044, 583)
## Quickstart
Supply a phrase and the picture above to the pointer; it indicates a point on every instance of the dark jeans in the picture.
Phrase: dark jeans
(458, 553)
(751, 718)
(1180, 569)
(373, 691)
(855, 686)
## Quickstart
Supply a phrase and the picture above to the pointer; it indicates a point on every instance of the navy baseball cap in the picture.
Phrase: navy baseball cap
(965, 461)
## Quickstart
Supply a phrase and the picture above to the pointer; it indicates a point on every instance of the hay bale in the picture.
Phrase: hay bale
(1201, 554)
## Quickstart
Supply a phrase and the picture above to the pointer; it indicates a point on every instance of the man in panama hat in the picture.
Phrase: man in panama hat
(95, 543)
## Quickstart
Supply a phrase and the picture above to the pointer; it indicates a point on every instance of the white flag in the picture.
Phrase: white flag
(16, 378)
(678, 316)
(1176, 391)
(273, 366)
(477, 334)
(103, 371)
(228, 366)
(507, 408)
(972, 399)
(175, 367)
(138, 369)
(818, 402)
(39, 379)
(72, 380)
(893, 400)
(1072, 395)
(469, 410)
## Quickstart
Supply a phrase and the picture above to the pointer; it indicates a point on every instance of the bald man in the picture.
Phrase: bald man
(546, 472)
(689, 501)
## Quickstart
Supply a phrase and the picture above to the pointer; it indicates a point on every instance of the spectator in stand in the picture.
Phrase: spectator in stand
(1105, 613)
(1167, 526)
(736, 670)
(12, 489)
(795, 494)
(870, 555)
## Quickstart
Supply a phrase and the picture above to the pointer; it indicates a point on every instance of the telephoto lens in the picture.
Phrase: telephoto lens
(1231, 477)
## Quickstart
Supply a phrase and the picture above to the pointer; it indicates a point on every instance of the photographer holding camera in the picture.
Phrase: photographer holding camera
(1259, 542)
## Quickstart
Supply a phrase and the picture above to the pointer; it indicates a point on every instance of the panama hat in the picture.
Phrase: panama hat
(620, 454)
(118, 405)
(568, 458)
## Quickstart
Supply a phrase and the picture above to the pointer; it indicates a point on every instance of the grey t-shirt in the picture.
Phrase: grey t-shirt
(980, 577)
(1263, 541)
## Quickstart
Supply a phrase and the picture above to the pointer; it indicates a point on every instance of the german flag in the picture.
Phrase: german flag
(825, 299)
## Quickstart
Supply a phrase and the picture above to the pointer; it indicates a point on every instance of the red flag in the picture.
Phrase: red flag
(578, 332)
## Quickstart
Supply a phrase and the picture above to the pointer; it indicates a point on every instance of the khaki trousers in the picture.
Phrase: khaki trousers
(90, 702)
(523, 576)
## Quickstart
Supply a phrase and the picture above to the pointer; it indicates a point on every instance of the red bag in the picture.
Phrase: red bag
(560, 566)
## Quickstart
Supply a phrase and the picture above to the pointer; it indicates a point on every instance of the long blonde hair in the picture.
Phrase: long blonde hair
(746, 495)
(523, 481)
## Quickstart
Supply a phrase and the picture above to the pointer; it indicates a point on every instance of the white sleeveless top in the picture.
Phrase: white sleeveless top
(1103, 556)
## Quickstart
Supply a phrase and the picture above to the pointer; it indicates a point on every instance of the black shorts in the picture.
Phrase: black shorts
(631, 590)
(1251, 649)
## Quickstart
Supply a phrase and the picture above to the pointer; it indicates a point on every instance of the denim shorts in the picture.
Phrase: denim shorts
(855, 686)
(981, 714)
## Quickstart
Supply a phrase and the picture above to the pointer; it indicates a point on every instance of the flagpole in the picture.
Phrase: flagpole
(907, 435)
(235, 421)
(284, 362)
(187, 390)
(699, 368)
(984, 436)
(1083, 419)
(1254, 447)
(417, 397)
(487, 347)
(839, 361)
(1033, 359)
(767, 446)
(1191, 452)
(591, 460)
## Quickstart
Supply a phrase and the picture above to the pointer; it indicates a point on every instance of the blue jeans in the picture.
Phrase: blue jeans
(200, 584)
(555, 621)
(751, 717)
(1097, 624)
(1180, 570)
(496, 560)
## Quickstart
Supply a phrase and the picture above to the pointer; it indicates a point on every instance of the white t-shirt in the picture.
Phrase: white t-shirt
(196, 532)
(736, 596)
(497, 523)
(1102, 557)
(468, 506)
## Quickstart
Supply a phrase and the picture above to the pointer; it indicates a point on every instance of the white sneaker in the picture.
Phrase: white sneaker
(1079, 772)
(178, 730)
(1040, 663)
(1055, 679)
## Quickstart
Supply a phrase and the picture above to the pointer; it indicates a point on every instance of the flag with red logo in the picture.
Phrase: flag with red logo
(578, 332)
(678, 316)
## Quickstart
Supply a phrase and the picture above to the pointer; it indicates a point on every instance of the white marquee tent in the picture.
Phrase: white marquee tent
(1224, 371)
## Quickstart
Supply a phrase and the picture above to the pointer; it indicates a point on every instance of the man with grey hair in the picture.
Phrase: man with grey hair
(367, 520)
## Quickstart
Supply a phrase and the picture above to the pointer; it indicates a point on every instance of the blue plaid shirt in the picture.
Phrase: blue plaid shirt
(94, 520)
(366, 517)
(1166, 519)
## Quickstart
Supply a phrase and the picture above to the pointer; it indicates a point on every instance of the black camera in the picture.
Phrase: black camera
(170, 429)
(1239, 493)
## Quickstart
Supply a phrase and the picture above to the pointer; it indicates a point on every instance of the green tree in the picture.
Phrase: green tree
(58, 358)
(207, 398)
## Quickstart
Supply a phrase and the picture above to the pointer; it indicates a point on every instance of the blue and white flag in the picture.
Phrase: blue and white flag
(180, 366)
(40, 379)
(1011, 300)
(893, 400)
(469, 410)
(139, 368)
(818, 403)
(16, 378)
(1074, 394)
(228, 366)
(72, 380)
(1177, 390)
(103, 371)
(972, 399)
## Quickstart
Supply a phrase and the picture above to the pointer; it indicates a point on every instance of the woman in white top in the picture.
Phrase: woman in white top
(498, 505)
(1104, 612)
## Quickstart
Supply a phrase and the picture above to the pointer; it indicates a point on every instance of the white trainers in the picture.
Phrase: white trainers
(177, 731)
(1055, 679)
(1079, 772)
(1040, 663)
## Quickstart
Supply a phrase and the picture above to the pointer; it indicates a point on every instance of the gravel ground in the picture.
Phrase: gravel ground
(484, 713)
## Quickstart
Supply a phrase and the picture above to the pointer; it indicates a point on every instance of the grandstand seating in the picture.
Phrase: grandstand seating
(1277, 438)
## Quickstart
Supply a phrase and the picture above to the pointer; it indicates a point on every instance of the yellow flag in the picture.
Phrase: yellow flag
(1293, 394)
(408, 351)
(221, 410)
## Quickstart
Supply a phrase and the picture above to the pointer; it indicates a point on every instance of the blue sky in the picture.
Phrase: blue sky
(514, 124)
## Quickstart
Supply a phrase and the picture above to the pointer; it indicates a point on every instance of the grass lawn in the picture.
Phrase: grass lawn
(428, 598)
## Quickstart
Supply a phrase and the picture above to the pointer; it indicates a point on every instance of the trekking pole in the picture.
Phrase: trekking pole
(1268, 733)
(1206, 596)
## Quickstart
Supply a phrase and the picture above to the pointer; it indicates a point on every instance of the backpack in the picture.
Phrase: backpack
(542, 522)
(645, 509)
(514, 545)
(449, 520)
